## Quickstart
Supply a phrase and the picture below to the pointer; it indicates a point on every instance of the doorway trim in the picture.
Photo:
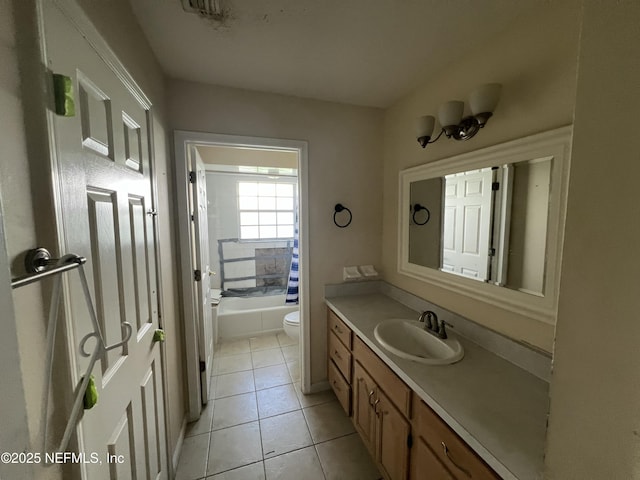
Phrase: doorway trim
(184, 142)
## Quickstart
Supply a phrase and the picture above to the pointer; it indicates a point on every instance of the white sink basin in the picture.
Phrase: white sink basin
(408, 339)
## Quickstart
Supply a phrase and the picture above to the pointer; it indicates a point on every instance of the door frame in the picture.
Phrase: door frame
(82, 22)
(184, 141)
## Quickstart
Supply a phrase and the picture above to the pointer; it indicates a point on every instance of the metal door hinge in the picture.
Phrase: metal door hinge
(203, 366)
(192, 177)
(492, 252)
(495, 186)
(197, 275)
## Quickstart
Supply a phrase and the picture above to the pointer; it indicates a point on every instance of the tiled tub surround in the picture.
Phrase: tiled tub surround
(499, 409)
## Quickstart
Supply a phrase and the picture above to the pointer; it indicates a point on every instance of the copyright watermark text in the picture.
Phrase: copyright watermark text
(59, 457)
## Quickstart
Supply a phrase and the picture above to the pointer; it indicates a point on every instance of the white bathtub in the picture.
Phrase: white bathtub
(246, 316)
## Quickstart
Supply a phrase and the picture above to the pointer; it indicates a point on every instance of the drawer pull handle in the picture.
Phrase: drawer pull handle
(375, 407)
(371, 395)
(337, 328)
(446, 454)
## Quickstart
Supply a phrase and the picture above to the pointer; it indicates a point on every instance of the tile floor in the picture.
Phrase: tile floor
(259, 426)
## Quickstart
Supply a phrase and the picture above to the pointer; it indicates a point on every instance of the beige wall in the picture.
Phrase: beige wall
(535, 60)
(27, 200)
(594, 425)
(15, 431)
(345, 166)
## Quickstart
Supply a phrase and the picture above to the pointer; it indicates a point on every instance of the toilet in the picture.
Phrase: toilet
(291, 325)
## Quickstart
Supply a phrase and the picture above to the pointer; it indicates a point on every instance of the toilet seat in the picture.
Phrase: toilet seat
(292, 318)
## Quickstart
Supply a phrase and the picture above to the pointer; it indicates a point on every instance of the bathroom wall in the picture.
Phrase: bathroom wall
(15, 433)
(535, 60)
(26, 196)
(345, 166)
(594, 424)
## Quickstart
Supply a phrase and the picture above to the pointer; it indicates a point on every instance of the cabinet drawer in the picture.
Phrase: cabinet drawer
(340, 355)
(340, 387)
(397, 391)
(459, 458)
(338, 327)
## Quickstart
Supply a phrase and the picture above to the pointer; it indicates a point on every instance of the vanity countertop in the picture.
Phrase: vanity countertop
(499, 409)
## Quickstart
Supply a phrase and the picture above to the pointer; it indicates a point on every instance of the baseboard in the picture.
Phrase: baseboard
(176, 452)
(320, 387)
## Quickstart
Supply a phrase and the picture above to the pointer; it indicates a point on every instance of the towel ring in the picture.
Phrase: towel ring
(417, 208)
(339, 208)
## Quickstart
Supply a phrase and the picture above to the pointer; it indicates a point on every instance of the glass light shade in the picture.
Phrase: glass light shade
(485, 98)
(450, 113)
(424, 126)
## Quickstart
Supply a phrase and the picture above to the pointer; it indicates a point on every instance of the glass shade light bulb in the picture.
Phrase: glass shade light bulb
(450, 114)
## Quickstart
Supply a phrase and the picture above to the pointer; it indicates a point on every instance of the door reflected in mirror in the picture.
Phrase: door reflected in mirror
(487, 224)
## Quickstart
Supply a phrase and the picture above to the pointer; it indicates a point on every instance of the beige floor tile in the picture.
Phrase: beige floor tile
(212, 387)
(233, 347)
(285, 340)
(272, 376)
(266, 358)
(312, 399)
(255, 471)
(234, 363)
(347, 457)
(264, 342)
(277, 400)
(230, 411)
(294, 371)
(234, 384)
(297, 465)
(291, 353)
(193, 458)
(327, 421)
(203, 424)
(234, 447)
(284, 433)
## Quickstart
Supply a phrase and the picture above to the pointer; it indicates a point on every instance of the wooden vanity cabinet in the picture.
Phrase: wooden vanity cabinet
(439, 453)
(381, 405)
(340, 359)
(381, 423)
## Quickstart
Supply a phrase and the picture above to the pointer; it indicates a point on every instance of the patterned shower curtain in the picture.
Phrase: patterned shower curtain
(292, 285)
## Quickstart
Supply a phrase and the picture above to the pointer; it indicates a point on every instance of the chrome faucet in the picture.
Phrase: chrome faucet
(431, 324)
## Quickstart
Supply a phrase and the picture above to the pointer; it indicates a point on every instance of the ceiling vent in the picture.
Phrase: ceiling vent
(205, 8)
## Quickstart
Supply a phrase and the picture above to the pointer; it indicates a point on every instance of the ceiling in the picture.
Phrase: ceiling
(362, 52)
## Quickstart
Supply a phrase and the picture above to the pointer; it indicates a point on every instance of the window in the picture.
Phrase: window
(266, 210)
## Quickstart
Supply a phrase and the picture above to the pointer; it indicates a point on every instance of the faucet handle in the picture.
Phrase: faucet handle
(426, 318)
(442, 332)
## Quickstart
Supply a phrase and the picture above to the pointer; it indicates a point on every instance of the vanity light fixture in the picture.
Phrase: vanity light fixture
(482, 103)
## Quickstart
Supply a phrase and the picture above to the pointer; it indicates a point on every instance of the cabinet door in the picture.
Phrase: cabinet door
(392, 439)
(425, 464)
(364, 394)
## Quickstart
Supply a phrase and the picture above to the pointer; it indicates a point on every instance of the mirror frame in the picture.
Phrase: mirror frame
(554, 143)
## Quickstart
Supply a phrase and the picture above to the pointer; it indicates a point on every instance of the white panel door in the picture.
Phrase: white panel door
(467, 223)
(201, 261)
(104, 188)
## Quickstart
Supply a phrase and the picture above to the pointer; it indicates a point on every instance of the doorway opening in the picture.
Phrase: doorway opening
(242, 215)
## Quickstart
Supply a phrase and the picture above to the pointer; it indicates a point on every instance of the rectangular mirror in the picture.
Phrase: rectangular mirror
(489, 223)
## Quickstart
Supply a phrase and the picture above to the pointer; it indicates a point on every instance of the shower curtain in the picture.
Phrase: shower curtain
(292, 285)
